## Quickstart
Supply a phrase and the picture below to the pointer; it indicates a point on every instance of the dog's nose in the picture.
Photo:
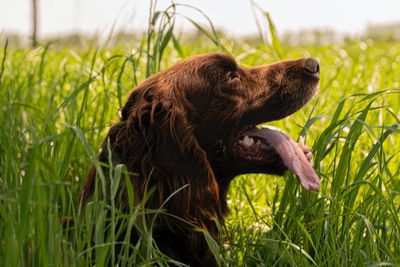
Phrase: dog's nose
(312, 66)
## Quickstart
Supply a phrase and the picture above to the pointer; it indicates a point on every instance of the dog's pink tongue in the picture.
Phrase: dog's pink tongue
(293, 157)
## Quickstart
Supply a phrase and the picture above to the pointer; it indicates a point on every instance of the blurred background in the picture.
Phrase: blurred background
(25, 22)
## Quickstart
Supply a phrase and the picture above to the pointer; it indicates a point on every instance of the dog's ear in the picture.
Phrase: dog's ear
(177, 167)
(173, 157)
(162, 148)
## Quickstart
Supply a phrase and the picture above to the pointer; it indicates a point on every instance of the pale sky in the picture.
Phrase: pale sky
(234, 16)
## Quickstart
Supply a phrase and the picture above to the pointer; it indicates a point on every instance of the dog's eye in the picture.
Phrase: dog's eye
(232, 75)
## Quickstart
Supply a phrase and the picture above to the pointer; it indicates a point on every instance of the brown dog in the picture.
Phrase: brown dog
(194, 125)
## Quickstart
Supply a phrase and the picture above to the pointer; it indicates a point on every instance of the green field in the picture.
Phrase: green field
(57, 103)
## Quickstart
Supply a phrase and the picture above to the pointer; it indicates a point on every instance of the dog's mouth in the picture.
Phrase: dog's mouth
(260, 144)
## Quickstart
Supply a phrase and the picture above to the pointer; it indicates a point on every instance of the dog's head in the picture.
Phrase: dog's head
(218, 104)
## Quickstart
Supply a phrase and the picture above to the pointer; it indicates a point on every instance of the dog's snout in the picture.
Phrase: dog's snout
(312, 66)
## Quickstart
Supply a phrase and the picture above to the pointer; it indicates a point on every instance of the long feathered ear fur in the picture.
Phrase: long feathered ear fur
(156, 143)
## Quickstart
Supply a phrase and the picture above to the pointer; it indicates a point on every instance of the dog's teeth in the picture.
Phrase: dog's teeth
(258, 142)
(248, 141)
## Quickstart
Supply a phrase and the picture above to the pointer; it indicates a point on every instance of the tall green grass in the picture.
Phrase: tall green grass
(57, 104)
